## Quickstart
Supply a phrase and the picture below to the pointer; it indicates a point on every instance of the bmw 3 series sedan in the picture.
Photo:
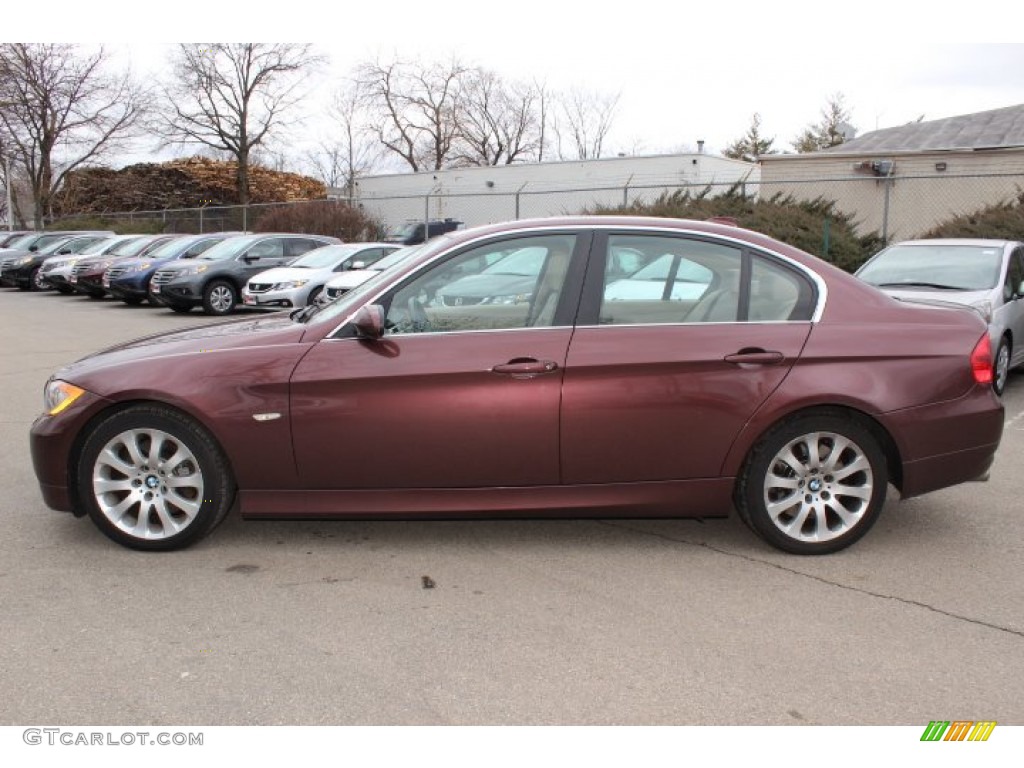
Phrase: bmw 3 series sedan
(780, 387)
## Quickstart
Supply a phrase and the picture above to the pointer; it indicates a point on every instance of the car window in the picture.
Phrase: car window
(679, 280)
(688, 280)
(272, 248)
(296, 246)
(1014, 275)
(502, 285)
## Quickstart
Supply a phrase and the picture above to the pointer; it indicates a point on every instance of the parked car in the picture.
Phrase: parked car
(55, 271)
(987, 275)
(9, 236)
(128, 279)
(301, 282)
(412, 233)
(214, 279)
(346, 281)
(789, 388)
(24, 269)
(87, 275)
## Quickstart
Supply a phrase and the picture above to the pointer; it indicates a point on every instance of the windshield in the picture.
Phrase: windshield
(228, 249)
(130, 247)
(327, 256)
(55, 245)
(394, 258)
(172, 249)
(23, 241)
(954, 267)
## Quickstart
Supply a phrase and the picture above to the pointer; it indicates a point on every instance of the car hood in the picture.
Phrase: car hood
(283, 274)
(352, 278)
(162, 348)
(925, 295)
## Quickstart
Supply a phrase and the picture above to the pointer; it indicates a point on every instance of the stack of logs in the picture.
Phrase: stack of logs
(187, 183)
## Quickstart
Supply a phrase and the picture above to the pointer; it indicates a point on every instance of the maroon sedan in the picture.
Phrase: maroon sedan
(639, 368)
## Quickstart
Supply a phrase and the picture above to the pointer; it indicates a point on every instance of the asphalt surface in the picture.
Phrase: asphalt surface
(547, 622)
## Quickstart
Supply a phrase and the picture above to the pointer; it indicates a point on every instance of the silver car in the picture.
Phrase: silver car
(987, 275)
(302, 281)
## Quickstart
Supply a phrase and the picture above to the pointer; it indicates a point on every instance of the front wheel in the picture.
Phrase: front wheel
(152, 479)
(219, 298)
(814, 485)
(1001, 366)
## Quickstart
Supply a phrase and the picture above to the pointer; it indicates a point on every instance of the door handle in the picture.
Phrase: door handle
(525, 367)
(755, 356)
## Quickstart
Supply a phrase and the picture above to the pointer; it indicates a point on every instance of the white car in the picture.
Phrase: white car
(685, 280)
(301, 282)
(345, 282)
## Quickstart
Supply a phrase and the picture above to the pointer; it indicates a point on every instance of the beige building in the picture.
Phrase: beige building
(900, 182)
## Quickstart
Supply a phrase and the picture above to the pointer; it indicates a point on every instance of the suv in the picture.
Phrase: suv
(412, 233)
(215, 278)
(22, 269)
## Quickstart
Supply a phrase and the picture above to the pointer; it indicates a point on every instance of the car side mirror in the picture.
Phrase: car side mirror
(250, 259)
(369, 321)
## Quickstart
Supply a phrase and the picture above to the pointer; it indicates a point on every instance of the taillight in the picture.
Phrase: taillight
(981, 361)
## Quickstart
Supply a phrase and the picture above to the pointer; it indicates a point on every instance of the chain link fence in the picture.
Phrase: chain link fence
(890, 207)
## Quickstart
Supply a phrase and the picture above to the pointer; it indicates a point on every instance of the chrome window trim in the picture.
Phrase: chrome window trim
(813, 276)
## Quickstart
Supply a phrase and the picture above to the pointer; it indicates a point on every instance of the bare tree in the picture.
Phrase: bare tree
(585, 118)
(60, 109)
(235, 96)
(414, 106)
(498, 121)
(352, 150)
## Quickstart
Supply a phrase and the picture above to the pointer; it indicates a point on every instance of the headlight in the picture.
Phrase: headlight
(517, 298)
(289, 285)
(58, 395)
(139, 267)
(25, 259)
(984, 308)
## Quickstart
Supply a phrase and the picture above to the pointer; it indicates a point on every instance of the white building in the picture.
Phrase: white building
(488, 194)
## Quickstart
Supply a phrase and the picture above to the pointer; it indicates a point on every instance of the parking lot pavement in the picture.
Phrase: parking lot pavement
(561, 622)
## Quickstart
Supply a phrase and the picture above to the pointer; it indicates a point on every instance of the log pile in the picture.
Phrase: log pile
(187, 183)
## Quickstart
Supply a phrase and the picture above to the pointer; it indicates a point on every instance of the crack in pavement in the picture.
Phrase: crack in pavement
(859, 590)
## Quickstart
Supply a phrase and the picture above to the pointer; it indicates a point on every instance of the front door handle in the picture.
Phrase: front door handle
(755, 356)
(525, 367)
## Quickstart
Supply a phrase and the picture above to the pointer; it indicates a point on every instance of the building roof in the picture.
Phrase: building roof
(994, 129)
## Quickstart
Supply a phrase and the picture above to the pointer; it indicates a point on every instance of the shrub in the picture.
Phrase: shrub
(323, 217)
(800, 223)
(1004, 221)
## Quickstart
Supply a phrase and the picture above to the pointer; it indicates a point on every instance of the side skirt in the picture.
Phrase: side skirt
(685, 498)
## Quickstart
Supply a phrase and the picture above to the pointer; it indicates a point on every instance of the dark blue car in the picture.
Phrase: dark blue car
(128, 279)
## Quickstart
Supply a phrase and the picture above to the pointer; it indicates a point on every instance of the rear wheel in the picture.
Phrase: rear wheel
(814, 485)
(153, 479)
(219, 298)
(1001, 366)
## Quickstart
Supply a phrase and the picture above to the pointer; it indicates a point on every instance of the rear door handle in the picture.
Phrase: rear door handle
(525, 367)
(755, 356)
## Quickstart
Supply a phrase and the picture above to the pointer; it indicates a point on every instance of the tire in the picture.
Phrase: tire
(181, 309)
(810, 506)
(1001, 366)
(219, 298)
(35, 280)
(152, 479)
(314, 295)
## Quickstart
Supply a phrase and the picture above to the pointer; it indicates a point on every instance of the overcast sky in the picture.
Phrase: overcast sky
(684, 71)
